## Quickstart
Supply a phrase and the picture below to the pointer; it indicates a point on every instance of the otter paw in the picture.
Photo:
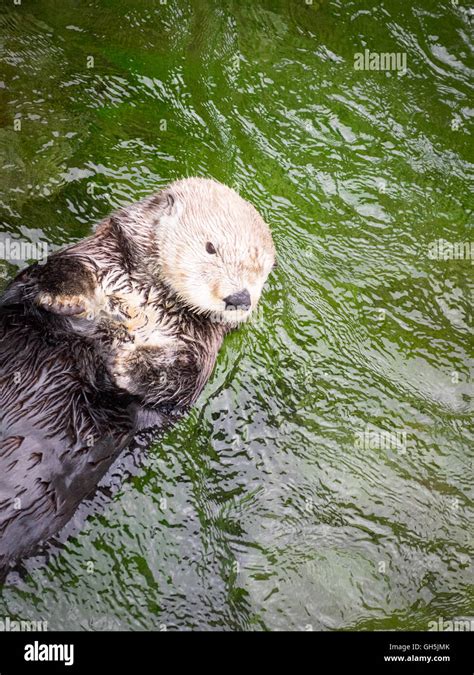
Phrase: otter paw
(65, 305)
(120, 367)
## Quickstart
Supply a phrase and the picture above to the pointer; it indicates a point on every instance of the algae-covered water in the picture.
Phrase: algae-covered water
(323, 480)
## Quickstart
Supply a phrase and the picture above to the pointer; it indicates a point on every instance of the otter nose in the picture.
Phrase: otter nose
(240, 300)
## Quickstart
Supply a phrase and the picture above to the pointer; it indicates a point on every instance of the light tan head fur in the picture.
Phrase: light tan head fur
(213, 245)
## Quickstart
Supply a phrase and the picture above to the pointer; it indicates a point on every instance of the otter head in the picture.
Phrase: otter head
(215, 250)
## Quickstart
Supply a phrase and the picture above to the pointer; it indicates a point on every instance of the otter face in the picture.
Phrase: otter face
(215, 249)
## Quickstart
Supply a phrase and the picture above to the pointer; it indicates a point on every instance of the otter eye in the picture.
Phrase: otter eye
(210, 248)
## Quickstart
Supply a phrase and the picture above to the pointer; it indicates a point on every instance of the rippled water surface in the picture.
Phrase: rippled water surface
(268, 507)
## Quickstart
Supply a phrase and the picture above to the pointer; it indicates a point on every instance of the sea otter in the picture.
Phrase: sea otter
(115, 333)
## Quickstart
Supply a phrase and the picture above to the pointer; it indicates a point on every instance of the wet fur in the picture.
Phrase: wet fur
(94, 346)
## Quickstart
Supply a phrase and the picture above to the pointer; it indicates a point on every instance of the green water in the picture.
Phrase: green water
(262, 510)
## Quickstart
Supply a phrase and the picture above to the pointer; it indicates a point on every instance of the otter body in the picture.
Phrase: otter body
(117, 332)
(58, 434)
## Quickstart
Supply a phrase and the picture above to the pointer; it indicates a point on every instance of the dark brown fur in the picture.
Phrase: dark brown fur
(63, 419)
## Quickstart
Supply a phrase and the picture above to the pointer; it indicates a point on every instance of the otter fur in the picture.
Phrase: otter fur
(113, 334)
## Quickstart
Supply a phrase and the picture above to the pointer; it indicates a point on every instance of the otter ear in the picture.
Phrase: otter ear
(170, 206)
(169, 203)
